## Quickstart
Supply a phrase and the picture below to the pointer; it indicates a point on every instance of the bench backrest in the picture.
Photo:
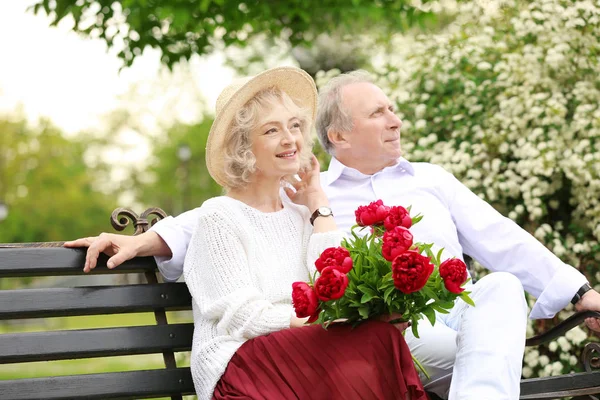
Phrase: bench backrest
(48, 259)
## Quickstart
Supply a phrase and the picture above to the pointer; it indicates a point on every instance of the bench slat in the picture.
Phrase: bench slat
(92, 300)
(116, 385)
(54, 261)
(560, 386)
(74, 344)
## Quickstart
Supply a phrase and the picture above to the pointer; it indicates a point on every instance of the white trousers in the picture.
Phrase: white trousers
(476, 352)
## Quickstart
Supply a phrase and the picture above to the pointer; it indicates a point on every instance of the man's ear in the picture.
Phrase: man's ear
(338, 139)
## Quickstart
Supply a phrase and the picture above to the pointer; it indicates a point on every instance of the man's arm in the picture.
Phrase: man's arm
(499, 244)
(119, 248)
(167, 241)
(176, 234)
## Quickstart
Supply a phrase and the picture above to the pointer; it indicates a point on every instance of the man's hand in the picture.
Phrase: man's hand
(590, 301)
(120, 248)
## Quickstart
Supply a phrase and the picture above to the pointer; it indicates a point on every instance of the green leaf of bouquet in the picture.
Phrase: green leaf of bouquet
(430, 314)
(438, 256)
(387, 293)
(366, 298)
(429, 253)
(465, 297)
(414, 330)
(446, 304)
(430, 293)
(439, 309)
(367, 289)
(364, 311)
(417, 218)
(355, 303)
(372, 261)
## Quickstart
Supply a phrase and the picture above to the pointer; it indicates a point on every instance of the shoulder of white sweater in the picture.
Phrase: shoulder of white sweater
(224, 205)
(222, 210)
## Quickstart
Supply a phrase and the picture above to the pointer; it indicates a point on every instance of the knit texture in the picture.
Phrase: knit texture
(239, 268)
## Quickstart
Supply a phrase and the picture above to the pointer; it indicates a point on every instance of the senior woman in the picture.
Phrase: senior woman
(251, 244)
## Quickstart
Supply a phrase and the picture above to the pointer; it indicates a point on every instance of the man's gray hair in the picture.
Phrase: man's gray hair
(331, 115)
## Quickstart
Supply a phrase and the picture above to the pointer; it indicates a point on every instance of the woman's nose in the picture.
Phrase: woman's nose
(287, 136)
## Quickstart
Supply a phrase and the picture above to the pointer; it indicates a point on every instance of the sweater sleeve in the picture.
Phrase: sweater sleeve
(318, 242)
(218, 276)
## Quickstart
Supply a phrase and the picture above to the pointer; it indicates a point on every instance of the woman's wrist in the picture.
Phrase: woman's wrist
(317, 202)
(297, 322)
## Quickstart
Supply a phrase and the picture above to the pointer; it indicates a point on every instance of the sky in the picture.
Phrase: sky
(55, 73)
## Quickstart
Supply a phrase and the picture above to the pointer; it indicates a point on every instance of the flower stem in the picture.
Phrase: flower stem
(420, 367)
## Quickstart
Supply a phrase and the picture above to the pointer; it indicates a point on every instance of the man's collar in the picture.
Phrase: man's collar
(336, 169)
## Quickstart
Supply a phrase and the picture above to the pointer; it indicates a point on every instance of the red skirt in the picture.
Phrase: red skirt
(371, 361)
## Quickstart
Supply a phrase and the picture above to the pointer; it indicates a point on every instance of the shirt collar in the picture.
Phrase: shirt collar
(337, 169)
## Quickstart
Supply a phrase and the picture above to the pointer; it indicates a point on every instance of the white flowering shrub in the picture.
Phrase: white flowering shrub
(508, 99)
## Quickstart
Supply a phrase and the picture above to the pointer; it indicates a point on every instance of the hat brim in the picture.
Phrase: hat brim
(293, 81)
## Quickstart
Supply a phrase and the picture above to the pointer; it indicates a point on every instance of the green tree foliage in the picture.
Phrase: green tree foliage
(176, 181)
(48, 188)
(181, 28)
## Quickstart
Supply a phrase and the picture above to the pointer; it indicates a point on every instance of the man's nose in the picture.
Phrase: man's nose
(394, 121)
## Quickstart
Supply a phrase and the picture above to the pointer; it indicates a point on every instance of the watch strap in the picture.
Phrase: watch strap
(318, 214)
(582, 290)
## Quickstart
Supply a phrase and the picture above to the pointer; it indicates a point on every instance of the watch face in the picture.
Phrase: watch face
(324, 211)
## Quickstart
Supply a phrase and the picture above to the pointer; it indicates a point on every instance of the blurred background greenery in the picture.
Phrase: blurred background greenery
(502, 93)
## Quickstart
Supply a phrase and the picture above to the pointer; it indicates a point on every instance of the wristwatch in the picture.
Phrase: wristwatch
(320, 212)
(582, 290)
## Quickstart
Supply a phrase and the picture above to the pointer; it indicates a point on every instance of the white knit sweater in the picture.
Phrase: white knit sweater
(239, 268)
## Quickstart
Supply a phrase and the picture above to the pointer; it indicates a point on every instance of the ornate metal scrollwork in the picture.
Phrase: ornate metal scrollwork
(121, 217)
(591, 356)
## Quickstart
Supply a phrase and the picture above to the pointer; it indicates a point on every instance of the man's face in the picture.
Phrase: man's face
(374, 141)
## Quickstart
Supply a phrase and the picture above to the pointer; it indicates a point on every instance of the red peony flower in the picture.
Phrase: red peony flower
(337, 257)
(410, 271)
(304, 300)
(331, 285)
(398, 216)
(454, 273)
(395, 242)
(373, 214)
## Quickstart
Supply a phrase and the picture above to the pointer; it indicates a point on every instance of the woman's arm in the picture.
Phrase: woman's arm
(217, 273)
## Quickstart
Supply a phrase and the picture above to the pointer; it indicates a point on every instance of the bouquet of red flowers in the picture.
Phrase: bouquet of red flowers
(382, 273)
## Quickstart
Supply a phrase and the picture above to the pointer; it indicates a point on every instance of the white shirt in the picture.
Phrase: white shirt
(454, 218)
(239, 268)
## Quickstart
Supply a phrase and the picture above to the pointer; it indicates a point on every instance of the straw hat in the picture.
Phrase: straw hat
(293, 81)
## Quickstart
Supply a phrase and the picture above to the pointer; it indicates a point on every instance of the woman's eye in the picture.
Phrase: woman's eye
(272, 130)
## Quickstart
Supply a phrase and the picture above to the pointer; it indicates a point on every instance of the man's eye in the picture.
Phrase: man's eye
(296, 125)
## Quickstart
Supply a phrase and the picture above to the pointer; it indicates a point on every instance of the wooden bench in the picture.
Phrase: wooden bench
(50, 259)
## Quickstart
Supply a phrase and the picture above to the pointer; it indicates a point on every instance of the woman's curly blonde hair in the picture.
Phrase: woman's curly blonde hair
(240, 162)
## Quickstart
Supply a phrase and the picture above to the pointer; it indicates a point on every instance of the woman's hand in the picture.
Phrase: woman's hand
(308, 191)
(401, 326)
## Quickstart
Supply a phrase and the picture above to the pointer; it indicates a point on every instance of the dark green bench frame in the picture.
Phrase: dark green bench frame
(50, 259)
